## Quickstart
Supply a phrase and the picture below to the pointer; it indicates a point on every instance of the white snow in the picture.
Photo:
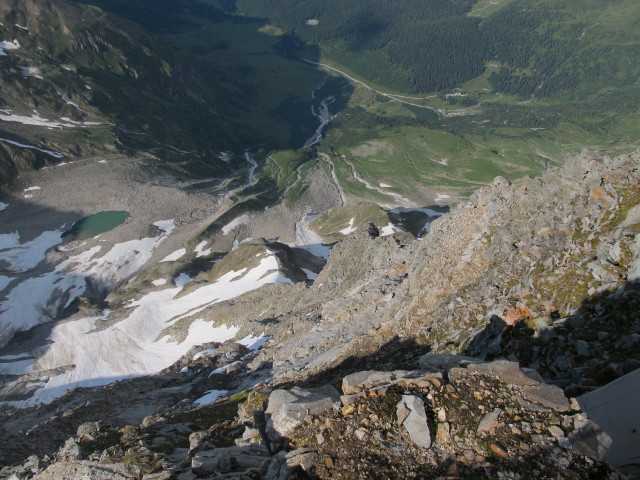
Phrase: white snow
(159, 282)
(234, 223)
(310, 275)
(36, 301)
(175, 255)
(48, 152)
(102, 161)
(36, 119)
(210, 397)
(440, 197)
(389, 230)
(310, 240)
(6, 45)
(4, 281)
(253, 342)
(224, 368)
(20, 26)
(31, 188)
(384, 185)
(204, 353)
(24, 256)
(3, 206)
(200, 250)
(27, 72)
(349, 229)
(88, 87)
(138, 344)
(39, 300)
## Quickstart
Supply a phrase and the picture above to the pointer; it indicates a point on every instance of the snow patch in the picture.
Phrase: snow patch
(159, 282)
(3, 206)
(210, 397)
(102, 161)
(224, 368)
(200, 250)
(252, 342)
(31, 188)
(204, 353)
(349, 229)
(6, 45)
(389, 229)
(175, 255)
(140, 340)
(440, 197)
(25, 256)
(384, 185)
(241, 220)
(27, 72)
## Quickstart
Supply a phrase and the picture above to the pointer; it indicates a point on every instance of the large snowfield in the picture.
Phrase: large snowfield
(97, 350)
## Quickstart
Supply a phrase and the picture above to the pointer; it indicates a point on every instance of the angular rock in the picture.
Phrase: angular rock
(86, 470)
(416, 421)
(70, 451)
(582, 348)
(443, 361)
(490, 421)
(288, 408)
(229, 459)
(443, 436)
(368, 379)
(590, 440)
(549, 396)
(505, 371)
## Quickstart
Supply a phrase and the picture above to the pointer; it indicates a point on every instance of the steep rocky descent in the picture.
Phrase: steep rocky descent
(487, 420)
(480, 281)
(523, 267)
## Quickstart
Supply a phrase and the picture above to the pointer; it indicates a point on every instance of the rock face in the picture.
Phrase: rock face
(457, 354)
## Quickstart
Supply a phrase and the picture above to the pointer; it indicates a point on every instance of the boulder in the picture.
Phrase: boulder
(229, 459)
(414, 419)
(549, 396)
(288, 408)
(87, 470)
(590, 440)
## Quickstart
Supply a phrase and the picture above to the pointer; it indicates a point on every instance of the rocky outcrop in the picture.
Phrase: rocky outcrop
(457, 354)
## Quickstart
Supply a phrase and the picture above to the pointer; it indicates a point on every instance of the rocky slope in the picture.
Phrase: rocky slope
(543, 273)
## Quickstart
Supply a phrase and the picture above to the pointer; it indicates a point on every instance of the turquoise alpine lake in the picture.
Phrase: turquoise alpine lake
(96, 224)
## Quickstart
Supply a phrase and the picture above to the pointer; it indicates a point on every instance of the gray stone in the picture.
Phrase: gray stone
(582, 348)
(504, 370)
(350, 399)
(556, 431)
(196, 438)
(443, 361)
(288, 408)
(590, 440)
(165, 475)
(490, 421)
(86, 470)
(368, 379)
(70, 451)
(548, 396)
(88, 431)
(416, 422)
(228, 459)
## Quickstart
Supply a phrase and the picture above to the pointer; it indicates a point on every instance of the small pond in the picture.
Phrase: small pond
(96, 224)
